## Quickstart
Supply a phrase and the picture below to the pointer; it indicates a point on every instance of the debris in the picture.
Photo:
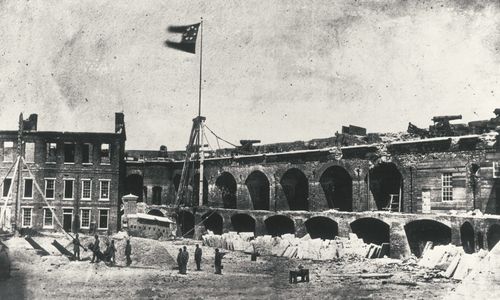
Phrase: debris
(63, 250)
(39, 250)
(292, 247)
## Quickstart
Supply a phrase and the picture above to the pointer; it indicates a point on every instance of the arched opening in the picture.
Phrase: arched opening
(134, 185)
(196, 188)
(258, 187)
(467, 238)
(185, 221)
(385, 181)
(296, 189)
(371, 230)
(422, 231)
(337, 186)
(177, 182)
(157, 195)
(493, 235)
(156, 212)
(279, 225)
(243, 223)
(226, 185)
(213, 222)
(322, 228)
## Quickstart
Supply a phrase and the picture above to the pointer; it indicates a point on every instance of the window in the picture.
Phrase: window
(26, 221)
(85, 218)
(103, 218)
(29, 152)
(68, 188)
(105, 154)
(87, 153)
(86, 189)
(6, 186)
(496, 169)
(48, 219)
(447, 189)
(51, 153)
(49, 188)
(104, 190)
(28, 188)
(69, 153)
(8, 151)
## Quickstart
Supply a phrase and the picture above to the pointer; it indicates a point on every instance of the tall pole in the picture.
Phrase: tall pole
(201, 64)
(201, 122)
(17, 209)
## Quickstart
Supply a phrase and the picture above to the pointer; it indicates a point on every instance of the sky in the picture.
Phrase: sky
(272, 70)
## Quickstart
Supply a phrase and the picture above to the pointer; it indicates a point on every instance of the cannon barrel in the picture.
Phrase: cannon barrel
(246, 142)
(446, 118)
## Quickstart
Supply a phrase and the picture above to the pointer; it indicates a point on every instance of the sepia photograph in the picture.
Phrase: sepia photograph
(284, 149)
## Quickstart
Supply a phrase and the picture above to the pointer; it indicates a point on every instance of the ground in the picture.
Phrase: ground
(152, 275)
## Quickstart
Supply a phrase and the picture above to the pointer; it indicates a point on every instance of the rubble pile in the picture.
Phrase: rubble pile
(290, 246)
(451, 260)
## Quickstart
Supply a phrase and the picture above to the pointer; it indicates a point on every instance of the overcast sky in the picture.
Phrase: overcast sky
(273, 70)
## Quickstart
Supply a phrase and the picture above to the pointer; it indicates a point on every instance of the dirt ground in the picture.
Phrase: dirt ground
(152, 276)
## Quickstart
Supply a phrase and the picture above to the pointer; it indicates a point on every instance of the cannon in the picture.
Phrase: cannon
(247, 146)
(443, 119)
(442, 125)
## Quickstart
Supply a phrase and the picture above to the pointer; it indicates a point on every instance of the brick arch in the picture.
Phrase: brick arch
(259, 187)
(227, 187)
(385, 179)
(419, 232)
(350, 169)
(135, 172)
(295, 185)
(154, 211)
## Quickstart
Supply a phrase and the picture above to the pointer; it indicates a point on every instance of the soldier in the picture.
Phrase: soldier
(76, 247)
(128, 251)
(197, 257)
(112, 251)
(179, 260)
(95, 250)
(218, 261)
(185, 258)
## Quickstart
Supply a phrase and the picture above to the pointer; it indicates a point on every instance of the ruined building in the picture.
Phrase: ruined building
(395, 188)
(79, 174)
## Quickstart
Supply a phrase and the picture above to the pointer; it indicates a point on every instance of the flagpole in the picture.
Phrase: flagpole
(201, 64)
(201, 121)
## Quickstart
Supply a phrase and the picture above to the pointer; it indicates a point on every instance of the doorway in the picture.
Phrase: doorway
(67, 219)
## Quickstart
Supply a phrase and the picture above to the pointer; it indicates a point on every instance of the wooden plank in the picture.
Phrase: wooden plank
(39, 250)
(63, 250)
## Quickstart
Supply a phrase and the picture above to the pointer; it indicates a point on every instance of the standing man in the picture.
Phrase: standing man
(197, 257)
(218, 261)
(76, 247)
(112, 251)
(95, 250)
(128, 252)
(185, 258)
(179, 260)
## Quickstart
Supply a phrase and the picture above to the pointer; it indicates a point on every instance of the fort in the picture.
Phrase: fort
(403, 188)
(440, 185)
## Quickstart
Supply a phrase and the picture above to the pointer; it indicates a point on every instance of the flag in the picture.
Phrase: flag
(189, 35)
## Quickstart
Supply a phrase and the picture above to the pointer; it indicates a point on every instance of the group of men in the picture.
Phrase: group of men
(108, 256)
(183, 258)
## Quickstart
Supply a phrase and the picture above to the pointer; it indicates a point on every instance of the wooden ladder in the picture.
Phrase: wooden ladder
(394, 203)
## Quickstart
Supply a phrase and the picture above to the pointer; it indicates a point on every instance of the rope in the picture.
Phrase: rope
(206, 138)
(218, 137)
